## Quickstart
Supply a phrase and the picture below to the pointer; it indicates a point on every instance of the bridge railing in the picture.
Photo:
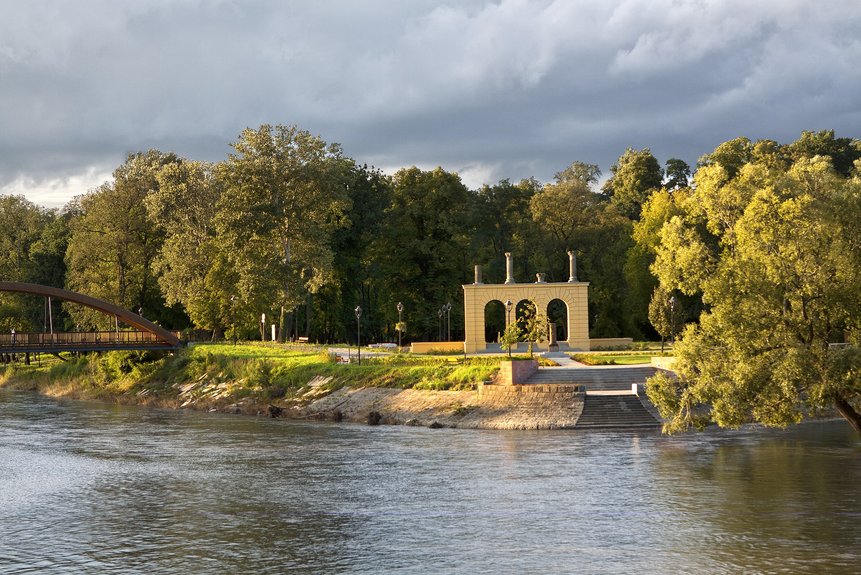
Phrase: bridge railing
(78, 339)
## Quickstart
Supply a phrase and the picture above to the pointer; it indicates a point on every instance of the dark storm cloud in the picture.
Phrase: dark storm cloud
(501, 89)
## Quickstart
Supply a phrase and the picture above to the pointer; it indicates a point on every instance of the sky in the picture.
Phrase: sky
(488, 89)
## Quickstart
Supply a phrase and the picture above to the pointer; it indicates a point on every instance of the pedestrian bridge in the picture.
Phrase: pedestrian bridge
(143, 333)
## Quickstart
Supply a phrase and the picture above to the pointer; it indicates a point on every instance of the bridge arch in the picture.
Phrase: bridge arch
(128, 317)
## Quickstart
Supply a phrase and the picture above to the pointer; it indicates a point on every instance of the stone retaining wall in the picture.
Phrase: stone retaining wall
(530, 394)
(542, 406)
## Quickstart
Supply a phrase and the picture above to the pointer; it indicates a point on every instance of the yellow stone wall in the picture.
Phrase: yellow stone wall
(575, 295)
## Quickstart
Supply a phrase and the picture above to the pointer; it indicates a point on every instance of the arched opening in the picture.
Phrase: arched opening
(557, 313)
(494, 321)
(524, 308)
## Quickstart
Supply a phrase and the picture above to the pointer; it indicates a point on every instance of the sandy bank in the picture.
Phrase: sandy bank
(461, 409)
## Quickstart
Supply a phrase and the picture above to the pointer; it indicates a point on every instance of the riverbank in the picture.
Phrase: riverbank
(299, 383)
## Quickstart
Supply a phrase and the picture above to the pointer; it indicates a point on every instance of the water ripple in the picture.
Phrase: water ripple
(87, 488)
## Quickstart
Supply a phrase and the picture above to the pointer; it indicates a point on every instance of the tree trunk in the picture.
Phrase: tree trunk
(308, 316)
(282, 333)
(849, 414)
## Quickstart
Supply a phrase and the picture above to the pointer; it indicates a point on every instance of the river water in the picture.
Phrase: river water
(90, 488)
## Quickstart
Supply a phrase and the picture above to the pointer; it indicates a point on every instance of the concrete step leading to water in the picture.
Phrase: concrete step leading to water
(614, 411)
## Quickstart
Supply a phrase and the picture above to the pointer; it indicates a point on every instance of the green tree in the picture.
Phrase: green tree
(510, 337)
(112, 245)
(183, 205)
(776, 255)
(604, 247)
(658, 209)
(284, 194)
(678, 173)
(49, 252)
(25, 256)
(500, 222)
(579, 171)
(635, 176)
(666, 314)
(564, 211)
(571, 216)
(21, 225)
(425, 248)
(842, 151)
(730, 156)
(358, 278)
(533, 325)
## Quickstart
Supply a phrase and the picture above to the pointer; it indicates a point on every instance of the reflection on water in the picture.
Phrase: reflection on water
(101, 489)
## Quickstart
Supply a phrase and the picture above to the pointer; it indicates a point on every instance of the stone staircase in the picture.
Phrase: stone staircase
(613, 412)
(607, 378)
(609, 402)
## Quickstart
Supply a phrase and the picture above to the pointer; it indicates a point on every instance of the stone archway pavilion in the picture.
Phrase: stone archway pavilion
(573, 293)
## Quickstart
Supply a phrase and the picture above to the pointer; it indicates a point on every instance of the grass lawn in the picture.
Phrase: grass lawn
(615, 358)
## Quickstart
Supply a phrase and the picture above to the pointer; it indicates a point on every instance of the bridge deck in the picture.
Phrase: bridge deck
(81, 341)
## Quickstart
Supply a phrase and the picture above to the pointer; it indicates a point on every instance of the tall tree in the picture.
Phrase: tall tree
(284, 195)
(776, 255)
(565, 209)
(21, 225)
(425, 248)
(587, 173)
(113, 246)
(635, 175)
(842, 151)
(658, 209)
(501, 222)
(666, 314)
(26, 251)
(678, 173)
(358, 277)
(571, 216)
(184, 207)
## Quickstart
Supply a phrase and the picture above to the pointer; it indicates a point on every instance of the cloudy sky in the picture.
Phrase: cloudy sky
(490, 89)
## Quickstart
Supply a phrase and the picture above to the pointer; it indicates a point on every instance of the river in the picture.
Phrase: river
(93, 488)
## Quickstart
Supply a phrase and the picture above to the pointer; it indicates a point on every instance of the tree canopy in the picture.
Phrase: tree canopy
(773, 249)
(635, 176)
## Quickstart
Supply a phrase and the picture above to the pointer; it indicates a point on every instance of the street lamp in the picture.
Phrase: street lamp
(400, 324)
(439, 315)
(508, 305)
(673, 319)
(359, 332)
(448, 320)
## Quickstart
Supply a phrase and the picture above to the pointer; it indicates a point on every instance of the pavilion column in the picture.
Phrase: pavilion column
(509, 269)
(572, 266)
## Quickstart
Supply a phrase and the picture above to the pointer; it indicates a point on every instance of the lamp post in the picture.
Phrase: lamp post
(439, 315)
(233, 317)
(508, 305)
(400, 323)
(448, 321)
(359, 333)
(673, 319)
